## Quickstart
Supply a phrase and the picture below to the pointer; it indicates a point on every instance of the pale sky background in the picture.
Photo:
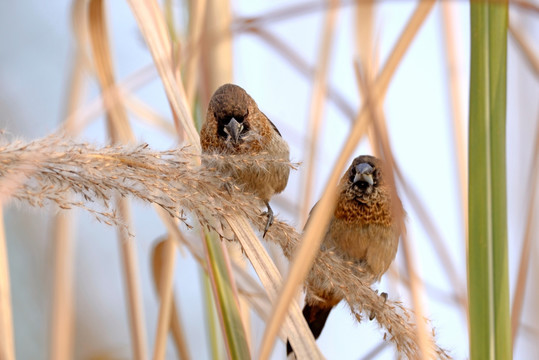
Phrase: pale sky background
(35, 57)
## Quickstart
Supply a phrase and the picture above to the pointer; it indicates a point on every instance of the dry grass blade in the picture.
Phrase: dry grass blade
(160, 263)
(295, 59)
(522, 277)
(197, 11)
(62, 304)
(7, 344)
(61, 325)
(364, 27)
(153, 27)
(316, 106)
(313, 234)
(525, 48)
(526, 5)
(118, 125)
(299, 334)
(292, 11)
(452, 54)
(382, 138)
(163, 268)
(119, 131)
(81, 117)
(147, 114)
(216, 46)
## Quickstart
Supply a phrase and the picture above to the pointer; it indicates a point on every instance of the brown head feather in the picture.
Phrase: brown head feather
(231, 101)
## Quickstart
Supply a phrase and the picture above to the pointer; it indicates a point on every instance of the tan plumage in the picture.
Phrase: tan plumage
(364, 229)
(235, 125)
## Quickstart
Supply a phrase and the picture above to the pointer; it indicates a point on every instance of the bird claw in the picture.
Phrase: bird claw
(269, 213)
(373, 315)
(228, 187)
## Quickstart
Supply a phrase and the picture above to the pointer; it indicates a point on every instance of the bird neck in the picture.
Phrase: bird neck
(376, 212)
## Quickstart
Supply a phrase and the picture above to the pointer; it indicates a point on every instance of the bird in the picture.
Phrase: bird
(364, 229)
(234, 125)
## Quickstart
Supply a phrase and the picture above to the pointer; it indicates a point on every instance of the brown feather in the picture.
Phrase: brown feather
(363, 230)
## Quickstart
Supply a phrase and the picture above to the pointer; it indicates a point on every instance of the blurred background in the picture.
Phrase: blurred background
(282, 53)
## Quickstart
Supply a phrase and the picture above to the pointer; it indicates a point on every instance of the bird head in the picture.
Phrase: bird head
(229, 107)
(363, 178)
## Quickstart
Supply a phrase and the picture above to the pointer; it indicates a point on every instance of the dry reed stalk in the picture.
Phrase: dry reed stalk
(364, 25)
(153, 27)
(62, 312)
(62, 318)
(164, 280)
(85, 114)
(525, 5)
(118, 131)
(7, 345)
(459, 141)
(524, 263)
(452, 54)
(147, 114)
(178, 333)
(197, 14)
(382, 143)
(169, 180)
(271, 279)
(216, 49)
(375, 351)
(217, 69)
(61, 326)
(316, 107)
(524, 46)
(292, 11)
(296, 60)
(313, 235)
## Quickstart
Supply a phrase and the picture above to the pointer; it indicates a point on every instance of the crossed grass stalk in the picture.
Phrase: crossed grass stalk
(57, 171)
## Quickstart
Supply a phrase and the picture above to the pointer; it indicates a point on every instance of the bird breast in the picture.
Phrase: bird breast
(372, 244)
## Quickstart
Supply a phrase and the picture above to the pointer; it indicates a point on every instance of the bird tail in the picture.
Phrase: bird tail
(316, 317)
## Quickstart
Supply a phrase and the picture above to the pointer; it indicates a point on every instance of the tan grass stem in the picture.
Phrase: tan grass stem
(7, 344)
(147, 114)
(313, 234)
(524, 263)
(152, 25)
(452, 54)
(316, 107)
(382, 142)
(62, 312)
(524, 46)
(300, 64)
(176, 327)
(118, 131)
(299, 333)
(197, 15)
(164, 285)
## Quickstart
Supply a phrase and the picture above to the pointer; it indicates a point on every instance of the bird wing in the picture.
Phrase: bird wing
(272, 125)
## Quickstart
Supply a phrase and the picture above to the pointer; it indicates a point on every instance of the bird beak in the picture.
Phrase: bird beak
(364, 173)
(233, 129)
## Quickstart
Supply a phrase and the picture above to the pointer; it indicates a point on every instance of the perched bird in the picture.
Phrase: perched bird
(235, 125)
(364, 229)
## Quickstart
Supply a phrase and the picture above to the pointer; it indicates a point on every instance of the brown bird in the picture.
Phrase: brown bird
(364, 229)
(235, 125)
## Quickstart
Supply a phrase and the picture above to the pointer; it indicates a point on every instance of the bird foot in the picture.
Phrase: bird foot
(269, 214)
(228, 187)
(373, 315)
